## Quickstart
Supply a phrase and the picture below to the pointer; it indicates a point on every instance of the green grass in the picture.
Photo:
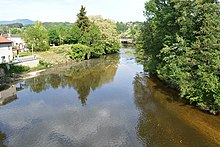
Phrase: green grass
(63, 49)
(23, 54)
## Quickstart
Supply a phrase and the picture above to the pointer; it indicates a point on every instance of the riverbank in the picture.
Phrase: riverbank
(33, 72)
(49, 61)
(54, 57)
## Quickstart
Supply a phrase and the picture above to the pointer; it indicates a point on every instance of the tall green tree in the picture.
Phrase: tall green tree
(110, 39)
(180, 42)
(37, 36)
(72, 35)
(82, 20)
(95, 41)
(160, 28)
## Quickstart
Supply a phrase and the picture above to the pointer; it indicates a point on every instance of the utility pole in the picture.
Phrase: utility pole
(32, 48)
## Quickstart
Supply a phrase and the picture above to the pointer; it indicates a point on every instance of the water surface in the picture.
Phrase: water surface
(102, 102)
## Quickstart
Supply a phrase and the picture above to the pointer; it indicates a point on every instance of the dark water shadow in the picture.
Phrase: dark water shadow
(165, 119)
(2, 139)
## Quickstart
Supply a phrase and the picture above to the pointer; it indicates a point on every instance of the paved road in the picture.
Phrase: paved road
(24, 59)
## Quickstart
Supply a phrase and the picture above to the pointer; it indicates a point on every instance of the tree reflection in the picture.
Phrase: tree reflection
(159, 122)
(83, 77)
(155, 126)
(2, 139)
(143, 102)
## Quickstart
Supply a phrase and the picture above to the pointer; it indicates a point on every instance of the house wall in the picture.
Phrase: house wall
(17, 40)
(6, 51)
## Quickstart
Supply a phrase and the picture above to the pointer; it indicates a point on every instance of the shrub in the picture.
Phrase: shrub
(45, 64)
(79, 52)
(18, 69)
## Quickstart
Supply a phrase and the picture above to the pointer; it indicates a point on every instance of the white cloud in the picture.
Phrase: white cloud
(42, 124)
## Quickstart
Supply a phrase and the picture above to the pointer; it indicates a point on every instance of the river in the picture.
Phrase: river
(101, 102)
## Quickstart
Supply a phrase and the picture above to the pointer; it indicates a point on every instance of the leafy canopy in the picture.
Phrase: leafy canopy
(37, 36)
(180, 44)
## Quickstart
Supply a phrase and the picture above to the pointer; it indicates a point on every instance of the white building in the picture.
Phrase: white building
(16, 40)
(6, 54)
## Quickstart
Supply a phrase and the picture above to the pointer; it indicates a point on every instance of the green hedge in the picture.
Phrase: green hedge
(17, 69)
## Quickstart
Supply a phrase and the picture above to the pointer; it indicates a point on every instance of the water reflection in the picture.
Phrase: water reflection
(117, 114)
(7, 94)
(83, 77)
(2, 139)
(48, 117)
(159, 123)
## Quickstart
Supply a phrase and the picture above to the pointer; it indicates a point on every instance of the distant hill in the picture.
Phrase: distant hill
(23, 21)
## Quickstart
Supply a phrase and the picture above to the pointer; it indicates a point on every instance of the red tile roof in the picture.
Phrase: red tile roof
(4, 40)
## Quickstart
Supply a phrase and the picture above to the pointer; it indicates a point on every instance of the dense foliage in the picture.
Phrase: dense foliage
(79, 52)
(11, 28)
(130, 30)
(109, 36)
(94, 37)
(62, 33)
(121, 27)
(10, 69)
(180, 43)
(37, 37)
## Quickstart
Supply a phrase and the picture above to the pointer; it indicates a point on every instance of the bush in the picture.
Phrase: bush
(97, 51)
(17, 69)
(45, 64)
(79, 52)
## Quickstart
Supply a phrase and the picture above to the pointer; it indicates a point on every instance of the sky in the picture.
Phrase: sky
(66, 10)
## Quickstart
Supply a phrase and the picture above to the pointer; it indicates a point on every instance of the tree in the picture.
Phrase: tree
(37, 36)
(97, 37)
(84, 24)
(82, 20)
(95, 41)
(110, 39)
(180, 41)
(54, 37)
(4, 29)
(16, 25)
(72, 35)
(205, 88)
(79, 52)
(15, 31)
(121, 27)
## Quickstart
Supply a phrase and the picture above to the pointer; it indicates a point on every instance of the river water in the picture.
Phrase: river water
(102, 102)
